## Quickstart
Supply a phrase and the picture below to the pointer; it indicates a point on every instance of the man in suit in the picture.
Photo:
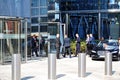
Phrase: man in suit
(77, 45)
(58, 44)
(42, 43)
(67, 46)
(34, 42)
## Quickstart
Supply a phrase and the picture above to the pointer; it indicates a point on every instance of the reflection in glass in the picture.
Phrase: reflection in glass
(34, 20)
(35, 11)
(43, 11)
(51, 5)
(52, 29)
(43, 2)
(56, 6)
(112, 1)
(34, 3)
(34, 28)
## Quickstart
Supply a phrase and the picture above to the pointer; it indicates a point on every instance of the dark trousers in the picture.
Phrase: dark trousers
(77, 49)
(34, 50)
(89, 48)
(67, 50)
(58, 52)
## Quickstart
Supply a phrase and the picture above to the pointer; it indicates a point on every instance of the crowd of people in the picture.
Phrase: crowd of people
(37, 45)
(66, 45)
(67, 50)
(90, 42)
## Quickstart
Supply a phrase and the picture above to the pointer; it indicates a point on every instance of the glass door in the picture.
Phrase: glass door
(11, 39)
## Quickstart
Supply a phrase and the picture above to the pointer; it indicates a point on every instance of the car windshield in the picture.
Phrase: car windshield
(110, 43)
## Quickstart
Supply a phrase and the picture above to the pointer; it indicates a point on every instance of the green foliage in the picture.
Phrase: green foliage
(73, 46)
(83, 46)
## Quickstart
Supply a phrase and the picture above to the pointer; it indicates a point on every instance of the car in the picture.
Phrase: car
(100, 49)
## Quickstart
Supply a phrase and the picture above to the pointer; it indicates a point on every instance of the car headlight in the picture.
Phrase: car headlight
(93, 51)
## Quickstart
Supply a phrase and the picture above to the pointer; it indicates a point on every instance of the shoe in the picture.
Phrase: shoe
(58, 58)
(75, 56)
(63, 55)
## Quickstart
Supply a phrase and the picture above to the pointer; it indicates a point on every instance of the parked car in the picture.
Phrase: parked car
(100, 49)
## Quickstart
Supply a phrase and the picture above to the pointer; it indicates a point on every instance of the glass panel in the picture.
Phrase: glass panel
(43, 2)
(112, 1)
(43, 19)
(119, 4)
(43, 11)
(56, 6)
(51, 5)
(34, 3)
(43, 28)
(53, 17)
(34, 20)
(113, 4)
(35, 11)
(34, 29)
(52, 31)
(11, 39)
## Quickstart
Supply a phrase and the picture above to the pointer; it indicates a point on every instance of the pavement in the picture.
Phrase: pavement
(66, 69)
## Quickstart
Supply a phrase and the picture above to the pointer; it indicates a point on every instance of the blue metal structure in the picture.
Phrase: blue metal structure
(84, 19)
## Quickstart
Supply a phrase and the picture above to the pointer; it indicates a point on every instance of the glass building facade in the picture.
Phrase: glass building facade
(99, 17)
(13, 28)
(38, 16)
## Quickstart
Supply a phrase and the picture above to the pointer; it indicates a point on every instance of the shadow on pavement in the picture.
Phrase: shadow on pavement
(113, 72)
(103, 59)
(88, 73)
(27, 78)
(60, 75)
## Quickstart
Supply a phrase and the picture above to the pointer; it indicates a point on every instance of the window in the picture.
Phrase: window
(43, 3)
(43, 28)
(34, 3)
(34, 29)
(43, 19)
(112, 1)
(52, 29)
(34, 20)
(51, 6)
(34, 11)
(56, 6)
(43, 11)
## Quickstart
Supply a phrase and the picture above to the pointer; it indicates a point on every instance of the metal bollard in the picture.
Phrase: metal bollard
(81, 65)
(108, 63)
(16, 67)
(52, 66)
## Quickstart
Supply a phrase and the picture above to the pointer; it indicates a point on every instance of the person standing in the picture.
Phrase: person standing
(88, 44)
(42, 42)
(92, 41)
(58, 44)
(77, 45)
(67, 46)
(34, 42)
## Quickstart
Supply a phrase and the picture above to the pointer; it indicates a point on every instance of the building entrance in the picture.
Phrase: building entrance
(12, 37)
